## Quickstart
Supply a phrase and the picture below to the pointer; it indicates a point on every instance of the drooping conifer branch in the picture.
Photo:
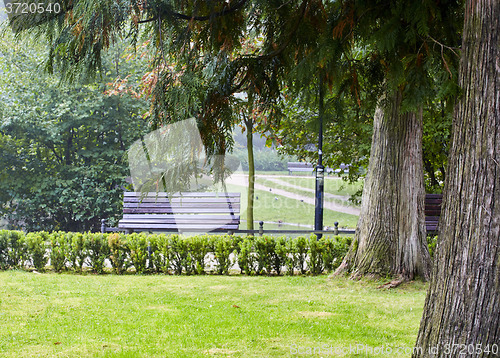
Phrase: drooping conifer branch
(192, 17)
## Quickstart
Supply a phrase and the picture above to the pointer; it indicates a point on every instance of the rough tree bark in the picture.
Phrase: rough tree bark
(463, 302)
(390, 236)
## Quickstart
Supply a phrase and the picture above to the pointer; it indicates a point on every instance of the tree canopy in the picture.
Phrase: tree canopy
(62, 147)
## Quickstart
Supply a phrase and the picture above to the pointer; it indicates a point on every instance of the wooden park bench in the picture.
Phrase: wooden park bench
(184, 212)
(432, 211)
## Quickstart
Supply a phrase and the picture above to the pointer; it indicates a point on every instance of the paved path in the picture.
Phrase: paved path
(309, 190)
(242, 180)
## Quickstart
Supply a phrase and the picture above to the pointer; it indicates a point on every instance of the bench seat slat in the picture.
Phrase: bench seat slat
(184, 201)
(175, 207)
(180, 223)
(197, 227)
(128, 194)
(177, 220)
(189, 205)
(169, 211)
(163, 216)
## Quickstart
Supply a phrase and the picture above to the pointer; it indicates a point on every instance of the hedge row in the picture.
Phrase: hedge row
(170, 254)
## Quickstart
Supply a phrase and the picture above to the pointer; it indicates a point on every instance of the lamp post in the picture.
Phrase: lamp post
(320, 169)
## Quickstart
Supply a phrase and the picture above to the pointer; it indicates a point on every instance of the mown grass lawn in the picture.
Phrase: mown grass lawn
(267, 208)
(333, 185)
(51, 315)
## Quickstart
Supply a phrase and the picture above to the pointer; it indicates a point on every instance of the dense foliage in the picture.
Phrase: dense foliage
(170, 254)
(62, 147)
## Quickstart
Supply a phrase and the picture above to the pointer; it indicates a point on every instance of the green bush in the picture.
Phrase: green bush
(15, 252)
(279, 255)
(172, 253)
(246, 258)
(315, 258)
(138, 250)
(36, 243)
(160, 253)
(119, 253)
(262, 248)
(290, 262)
(4, 249)
(300, 253)
(270, 254)
(58, 251)
(199, 247)
(334, 251)
(97, 251)
(432, 243)
(76, 250)
(222, 247)
(179, 255)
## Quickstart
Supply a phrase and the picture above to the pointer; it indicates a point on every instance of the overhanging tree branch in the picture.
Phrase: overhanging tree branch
(199, 18)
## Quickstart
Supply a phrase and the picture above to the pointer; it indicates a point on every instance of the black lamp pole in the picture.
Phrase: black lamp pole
(320, 169)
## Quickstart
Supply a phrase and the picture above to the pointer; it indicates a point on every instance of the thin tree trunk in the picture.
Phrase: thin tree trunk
(463, 302)
(390, 236)
(251, 173)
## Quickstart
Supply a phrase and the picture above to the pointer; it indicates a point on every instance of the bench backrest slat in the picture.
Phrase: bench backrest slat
(432, 211)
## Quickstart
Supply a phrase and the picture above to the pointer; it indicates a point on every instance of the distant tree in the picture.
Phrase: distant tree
(62, 160)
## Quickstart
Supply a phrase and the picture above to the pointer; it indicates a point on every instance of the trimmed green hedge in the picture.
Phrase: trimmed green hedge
(170, 254)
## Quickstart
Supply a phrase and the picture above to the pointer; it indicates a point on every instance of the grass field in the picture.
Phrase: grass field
(52, 315)
(332, 185)
(267, 208)
(303, 191)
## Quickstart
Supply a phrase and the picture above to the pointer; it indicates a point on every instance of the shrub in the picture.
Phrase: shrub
(334, 251)
(432, 243)
(279, 255)
(160, 253)
(262, 257)
(118, 253)
(268, 259)
(97, 250)
(172, 253)
(17, 252)
(58, 251)
(246, 259)
(4, 249)
(36, 243)
(138, 249)
(76, 250)
(290, 262)
(300, 254)
(315, 259)
(179, 255)
(222, 247)
(199, 247)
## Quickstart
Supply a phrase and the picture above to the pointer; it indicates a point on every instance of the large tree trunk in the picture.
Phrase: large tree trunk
(390, 236)
(463, 302)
